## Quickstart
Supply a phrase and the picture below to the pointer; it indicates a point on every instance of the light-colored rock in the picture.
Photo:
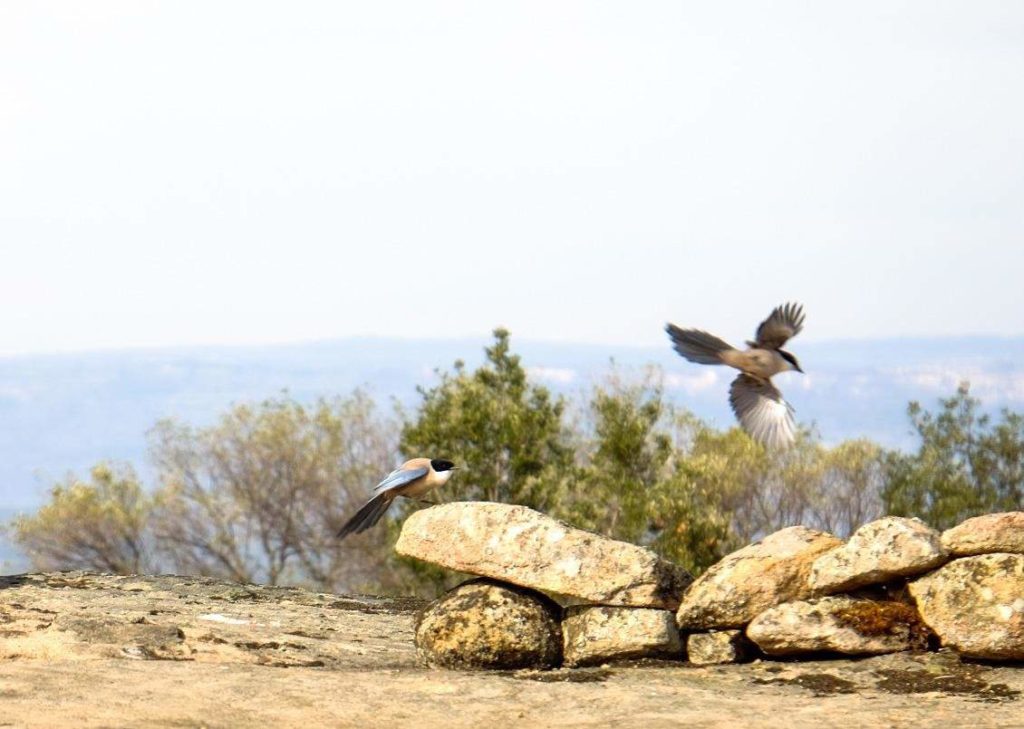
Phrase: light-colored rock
(838, 624)
(718, 646)
(976, 605)
(483, 624)
(522, 546)
(878, 552)
(986, 534)
(751, 580)
(597, 633)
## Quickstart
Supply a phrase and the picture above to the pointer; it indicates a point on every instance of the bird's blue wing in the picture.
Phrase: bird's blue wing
(398, 477)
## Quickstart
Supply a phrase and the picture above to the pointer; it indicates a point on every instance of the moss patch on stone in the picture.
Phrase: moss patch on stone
(871, 618)
(954, 680)
(820, 684)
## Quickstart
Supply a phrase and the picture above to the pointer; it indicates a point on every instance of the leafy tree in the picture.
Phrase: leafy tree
(259, 496)
(965, 465)
(761, 490)
(849, 494)
(99, 524)
(636, 483)
(506, 435)
(629, 455)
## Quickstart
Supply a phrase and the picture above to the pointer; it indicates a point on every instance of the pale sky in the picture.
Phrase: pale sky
(244, 172)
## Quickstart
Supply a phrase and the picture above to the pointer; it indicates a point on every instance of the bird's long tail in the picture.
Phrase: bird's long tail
(367, 516)
(696, 345)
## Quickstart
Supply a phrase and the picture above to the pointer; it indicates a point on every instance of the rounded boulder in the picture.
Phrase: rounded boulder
(489, 624)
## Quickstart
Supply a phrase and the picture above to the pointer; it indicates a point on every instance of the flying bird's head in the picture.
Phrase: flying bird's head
(791, 361)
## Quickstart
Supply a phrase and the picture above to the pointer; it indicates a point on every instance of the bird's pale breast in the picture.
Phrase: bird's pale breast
(427, 483)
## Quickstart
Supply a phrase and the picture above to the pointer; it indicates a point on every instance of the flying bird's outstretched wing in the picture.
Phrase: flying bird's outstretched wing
(762, 412)
(697, 345)
(399, 477)
(784, 323)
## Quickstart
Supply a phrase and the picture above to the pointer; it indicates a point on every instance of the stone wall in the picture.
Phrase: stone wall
(548, 594)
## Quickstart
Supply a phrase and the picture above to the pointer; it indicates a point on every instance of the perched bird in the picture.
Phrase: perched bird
(758, 404)
(412, 479)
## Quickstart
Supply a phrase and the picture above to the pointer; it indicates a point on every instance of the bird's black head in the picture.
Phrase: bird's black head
(791, 359)
(440, 464)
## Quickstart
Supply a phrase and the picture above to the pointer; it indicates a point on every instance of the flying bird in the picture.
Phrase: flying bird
(758, 404)
(412, 479)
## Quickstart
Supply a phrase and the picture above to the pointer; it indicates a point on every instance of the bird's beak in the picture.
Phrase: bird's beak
(799, 370)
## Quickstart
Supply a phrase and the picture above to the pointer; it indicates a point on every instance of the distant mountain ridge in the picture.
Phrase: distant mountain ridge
(65, 412)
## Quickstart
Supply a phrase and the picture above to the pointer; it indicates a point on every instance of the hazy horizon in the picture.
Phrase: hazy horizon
(477, 337)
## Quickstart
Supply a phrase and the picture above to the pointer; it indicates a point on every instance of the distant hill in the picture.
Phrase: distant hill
(65, 412)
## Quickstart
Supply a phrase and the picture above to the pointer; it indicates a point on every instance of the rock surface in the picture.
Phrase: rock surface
(848, 625)
(291, 658)
(595, 634)
(987, 534)
(878, 552)
(976, 605)
(481, 624)
(753, 579)
(718, 646)
(522, 546)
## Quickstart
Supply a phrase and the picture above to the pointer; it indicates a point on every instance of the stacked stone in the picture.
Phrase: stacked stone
(552, 594)
(549, 593)
(975, 603)
(895, 585)
(782, 592)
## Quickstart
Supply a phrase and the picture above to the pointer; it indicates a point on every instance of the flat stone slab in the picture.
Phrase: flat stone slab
(986, 534)
(751, 580)
(598, 633)
(840, 624)
(878, 552)
(276, 657)
(976, 605)
(522, 546)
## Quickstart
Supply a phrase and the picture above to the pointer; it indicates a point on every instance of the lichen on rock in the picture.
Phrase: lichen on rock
(524, 547)
(878, 552)
(976, 605)
(840, 624)
(751, 580)
(486, 624)
(717, 647)
(598, 633)
(987, 534)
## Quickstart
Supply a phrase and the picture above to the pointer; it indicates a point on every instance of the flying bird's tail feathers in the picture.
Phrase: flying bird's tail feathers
(367, 516)
(697, 346)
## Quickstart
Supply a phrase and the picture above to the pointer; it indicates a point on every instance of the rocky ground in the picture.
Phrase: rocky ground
(89, 650)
